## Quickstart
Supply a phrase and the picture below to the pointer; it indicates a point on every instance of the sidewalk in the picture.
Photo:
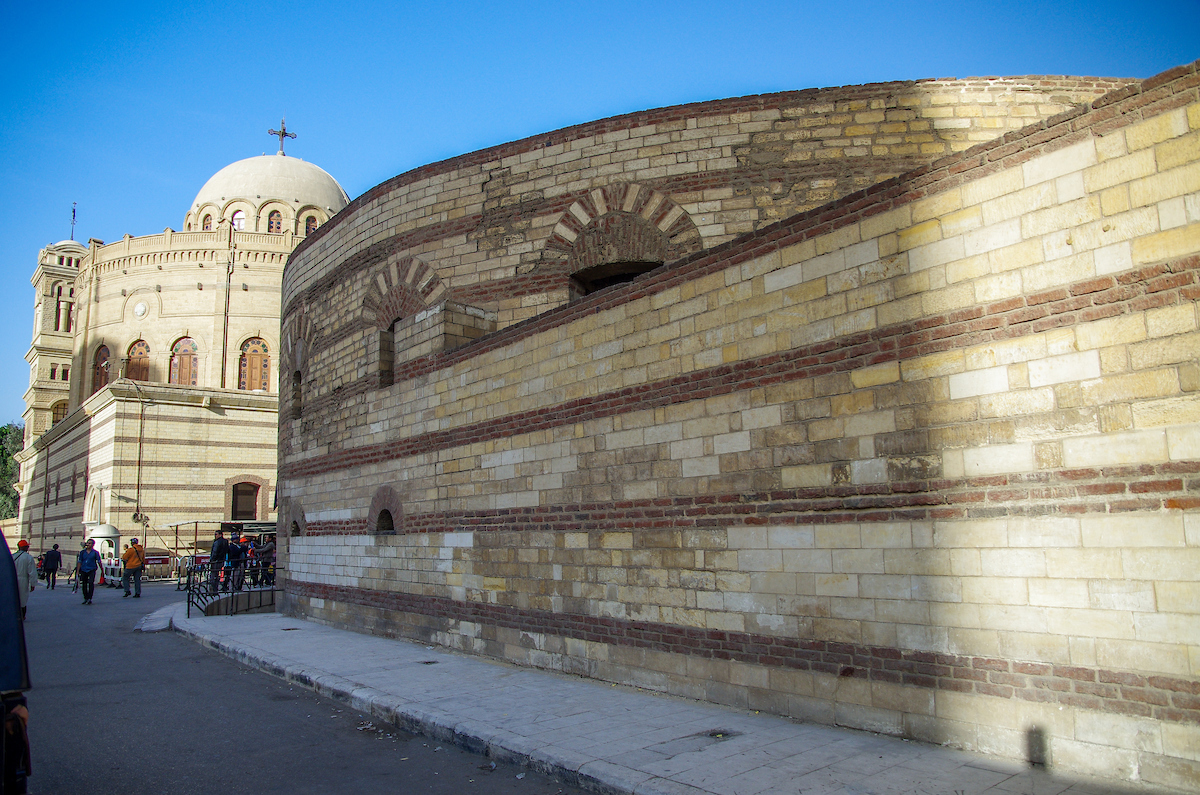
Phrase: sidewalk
(598, 736)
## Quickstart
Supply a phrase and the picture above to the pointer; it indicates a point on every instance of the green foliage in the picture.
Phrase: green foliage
(12, 441)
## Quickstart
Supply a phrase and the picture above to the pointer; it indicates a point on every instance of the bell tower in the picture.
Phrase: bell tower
(49, 356)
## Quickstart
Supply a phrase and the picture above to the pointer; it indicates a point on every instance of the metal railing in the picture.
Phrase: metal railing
(232, 588)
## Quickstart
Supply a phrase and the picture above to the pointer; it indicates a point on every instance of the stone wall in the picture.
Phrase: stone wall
(921, 461)
(160, 449)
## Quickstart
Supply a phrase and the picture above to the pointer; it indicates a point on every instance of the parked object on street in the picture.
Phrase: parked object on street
(14, 680)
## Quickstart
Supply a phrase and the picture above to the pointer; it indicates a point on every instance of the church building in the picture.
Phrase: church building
(154, 376)
(877, 406)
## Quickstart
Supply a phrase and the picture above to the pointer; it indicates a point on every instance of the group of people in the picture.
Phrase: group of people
(87, 564)
(229, 560)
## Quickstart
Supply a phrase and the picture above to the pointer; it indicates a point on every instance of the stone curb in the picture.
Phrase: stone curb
(577, 770)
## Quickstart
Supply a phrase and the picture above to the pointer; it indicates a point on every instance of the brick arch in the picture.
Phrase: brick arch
(264, 488)
(623, 221)
(402, 287)
(385, 499)
(296, 340)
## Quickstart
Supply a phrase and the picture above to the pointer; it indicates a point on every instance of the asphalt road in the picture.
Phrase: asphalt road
(113, 710)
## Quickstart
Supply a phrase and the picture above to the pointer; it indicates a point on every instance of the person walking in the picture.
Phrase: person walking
(88, 564)
(51, 565)
(26, 574)
(216, 561)
(237, 562)
(134, 559)
(266, 560)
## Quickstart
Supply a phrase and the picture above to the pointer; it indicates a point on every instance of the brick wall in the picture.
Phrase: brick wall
(923, 460)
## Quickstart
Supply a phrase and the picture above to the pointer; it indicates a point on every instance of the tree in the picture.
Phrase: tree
(12, 441)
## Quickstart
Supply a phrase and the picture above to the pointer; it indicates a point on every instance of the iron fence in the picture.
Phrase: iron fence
(231, 588)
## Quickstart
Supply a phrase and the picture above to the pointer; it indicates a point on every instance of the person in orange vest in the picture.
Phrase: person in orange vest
(134, 559)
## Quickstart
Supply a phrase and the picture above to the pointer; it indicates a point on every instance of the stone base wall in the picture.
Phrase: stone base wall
(189, 453)
(924, 461)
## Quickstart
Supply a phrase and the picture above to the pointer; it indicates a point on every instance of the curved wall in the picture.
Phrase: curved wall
(921, 460)
(732, 165)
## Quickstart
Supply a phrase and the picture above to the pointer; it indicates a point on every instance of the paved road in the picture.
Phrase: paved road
(115, 710)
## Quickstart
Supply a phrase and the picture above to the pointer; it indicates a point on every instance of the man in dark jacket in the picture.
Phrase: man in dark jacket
(216, 561)
(88, 564)
(51, 564)
(237, 563)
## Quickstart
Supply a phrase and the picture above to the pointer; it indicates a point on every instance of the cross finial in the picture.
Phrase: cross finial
(73, 220)
(281, 133)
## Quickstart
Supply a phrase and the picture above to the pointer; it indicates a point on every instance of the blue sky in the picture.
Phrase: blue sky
(128, 108)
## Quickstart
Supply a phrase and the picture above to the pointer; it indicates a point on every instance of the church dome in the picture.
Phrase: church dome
(273, 177)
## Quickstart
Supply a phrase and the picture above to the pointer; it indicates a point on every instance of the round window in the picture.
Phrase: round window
(139, 310)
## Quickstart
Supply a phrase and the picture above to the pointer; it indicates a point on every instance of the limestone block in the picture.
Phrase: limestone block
(995, 590)
(1170, 244)
(1161, 564)
(1068, 367)
(1181, 740)
(936, 253)
(932, 365)
(1118, 170)
(886, 535)
(1063, 161)
(1121, 595)
(1171, 411)
(1183, 444)
(998, 459)
(1177, 152)
(807, 476)
(1155, 188)
(978, 382)
(971, 533)
(791, 537)
(1100, 760)
(1157, 128)
(1044, 532)
(1166, 658)
(1132, 530)
(1167, 350)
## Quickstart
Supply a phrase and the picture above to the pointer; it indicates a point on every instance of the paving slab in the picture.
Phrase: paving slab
(603, 737)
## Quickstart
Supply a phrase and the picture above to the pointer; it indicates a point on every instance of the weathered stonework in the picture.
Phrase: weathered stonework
(922, 460)
(143, 455)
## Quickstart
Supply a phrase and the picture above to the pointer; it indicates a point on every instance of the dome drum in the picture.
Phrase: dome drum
(258, 186)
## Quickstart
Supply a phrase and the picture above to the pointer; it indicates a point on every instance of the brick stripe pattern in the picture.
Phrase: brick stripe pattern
(1124, 692)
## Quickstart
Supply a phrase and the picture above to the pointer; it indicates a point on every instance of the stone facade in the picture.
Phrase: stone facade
(145, 442)
(922, 460)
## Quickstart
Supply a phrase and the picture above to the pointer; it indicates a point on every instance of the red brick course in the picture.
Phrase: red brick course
(1159, 697)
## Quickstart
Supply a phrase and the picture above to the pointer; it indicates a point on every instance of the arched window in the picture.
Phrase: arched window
(275, 222)
(297, 382)
(245, 502)
(100, 369)
(62, 308)
(58, 412)
(387, 354)
(310, 224)
(239, 220)
(138, 368)
(384, 523)
(207, 226)
(254, 371)
(185, 364)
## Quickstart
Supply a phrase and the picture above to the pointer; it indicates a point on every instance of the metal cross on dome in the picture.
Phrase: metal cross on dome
(281, 133)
